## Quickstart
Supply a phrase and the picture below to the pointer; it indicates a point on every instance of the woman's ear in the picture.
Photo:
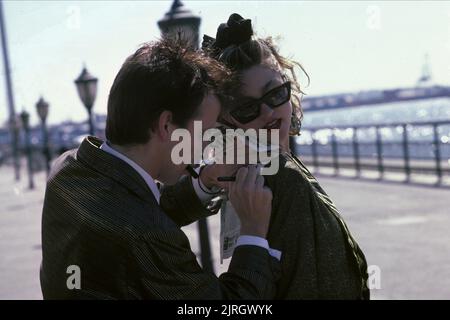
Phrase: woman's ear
(165, 125)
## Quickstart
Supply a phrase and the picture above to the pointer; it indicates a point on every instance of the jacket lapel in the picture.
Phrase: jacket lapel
(118, 170)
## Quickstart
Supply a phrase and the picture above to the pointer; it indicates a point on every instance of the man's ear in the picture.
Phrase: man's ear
(164, 125)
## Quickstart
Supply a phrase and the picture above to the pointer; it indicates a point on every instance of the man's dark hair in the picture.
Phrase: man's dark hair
(162, 75)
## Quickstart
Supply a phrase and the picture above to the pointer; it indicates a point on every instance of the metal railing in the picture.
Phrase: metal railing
(427, 156)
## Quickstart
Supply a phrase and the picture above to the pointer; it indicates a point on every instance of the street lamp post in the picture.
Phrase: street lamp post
(87, 90)
(10, 96)
(179, 21)
(42, 110)
(25, 117)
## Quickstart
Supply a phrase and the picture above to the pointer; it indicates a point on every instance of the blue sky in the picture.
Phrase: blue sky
(345, 46)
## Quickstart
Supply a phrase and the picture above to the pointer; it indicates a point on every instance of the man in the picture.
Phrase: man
(105, 234)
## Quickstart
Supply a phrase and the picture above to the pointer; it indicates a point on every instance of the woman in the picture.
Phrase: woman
(320, 259)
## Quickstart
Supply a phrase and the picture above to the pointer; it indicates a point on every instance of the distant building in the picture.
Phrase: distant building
(423, 90)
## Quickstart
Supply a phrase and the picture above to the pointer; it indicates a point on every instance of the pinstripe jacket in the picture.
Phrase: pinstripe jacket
(100, 216)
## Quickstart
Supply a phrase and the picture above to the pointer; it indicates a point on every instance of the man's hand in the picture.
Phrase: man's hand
(252, 201)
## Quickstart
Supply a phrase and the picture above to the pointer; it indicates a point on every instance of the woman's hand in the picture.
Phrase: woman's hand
(252, 201)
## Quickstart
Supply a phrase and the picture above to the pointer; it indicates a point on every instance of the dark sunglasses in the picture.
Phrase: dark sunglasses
(274, 98)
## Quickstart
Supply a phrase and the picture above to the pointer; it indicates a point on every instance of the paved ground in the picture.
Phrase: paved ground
(403, 229)
(20, 236)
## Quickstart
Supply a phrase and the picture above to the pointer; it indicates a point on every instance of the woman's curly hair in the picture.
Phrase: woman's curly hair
(261, 51)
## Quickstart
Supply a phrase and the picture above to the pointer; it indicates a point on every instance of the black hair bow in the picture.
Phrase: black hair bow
(236, 31)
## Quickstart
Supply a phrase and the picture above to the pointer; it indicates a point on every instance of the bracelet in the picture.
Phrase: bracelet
(200, 184)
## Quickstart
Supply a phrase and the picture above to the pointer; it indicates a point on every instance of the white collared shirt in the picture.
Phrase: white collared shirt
(148, 178)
